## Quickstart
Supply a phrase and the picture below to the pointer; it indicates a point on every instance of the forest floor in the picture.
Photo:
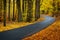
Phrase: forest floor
(50, 33)
(13, 25)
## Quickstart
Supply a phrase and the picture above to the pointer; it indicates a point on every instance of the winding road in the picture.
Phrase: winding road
(19, 33)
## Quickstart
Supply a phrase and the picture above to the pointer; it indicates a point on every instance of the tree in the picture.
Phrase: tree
(4, 2)
(0, 10)
(58, 8)
(9, 11)
(23, 5)
(54, 8)
(19, 11)
(37, 9)
(13, 10)
(29, 12)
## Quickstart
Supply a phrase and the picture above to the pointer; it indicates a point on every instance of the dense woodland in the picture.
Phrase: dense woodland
(27, 10)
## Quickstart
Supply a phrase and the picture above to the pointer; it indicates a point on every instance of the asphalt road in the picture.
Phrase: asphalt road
(19, 33)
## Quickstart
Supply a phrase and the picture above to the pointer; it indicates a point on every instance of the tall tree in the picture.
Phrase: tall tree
(58, 4)
(29, 12)
(23, 5)
(54, 8)
(37, 9)
(13, 10)
(9, 10)
(4, 2)
(24, 9)
(58, 8)
(0, 10)
(19, 10)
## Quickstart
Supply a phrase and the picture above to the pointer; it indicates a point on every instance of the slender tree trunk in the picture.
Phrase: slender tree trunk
(30, 11)
(4, 2)
(24, 9)
(58, 8)
(9, 11)
(58, 4)
(13, 10)
(37, 9)
(23, 6)
(54, 8)
(0, 10)
(19, 11)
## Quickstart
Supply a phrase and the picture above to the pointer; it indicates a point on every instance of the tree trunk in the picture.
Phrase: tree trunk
(19, 11)
(30, 11)
(4, 2)
(37, 10)
(13, 10)
(23, 6)
(0, 10)
(9, 11)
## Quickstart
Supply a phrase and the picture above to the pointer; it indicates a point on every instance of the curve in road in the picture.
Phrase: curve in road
(19, 33)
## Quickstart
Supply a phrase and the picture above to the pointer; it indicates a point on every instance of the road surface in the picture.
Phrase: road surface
(20, 33)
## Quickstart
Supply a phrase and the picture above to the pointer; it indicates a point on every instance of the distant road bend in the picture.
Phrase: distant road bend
(20, 33)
